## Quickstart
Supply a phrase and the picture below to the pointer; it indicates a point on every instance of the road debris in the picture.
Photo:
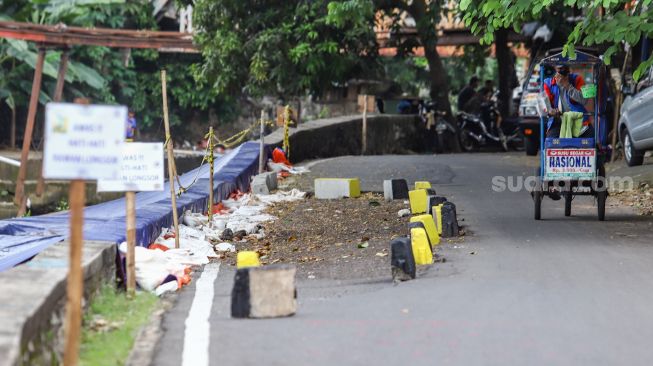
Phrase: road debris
(225, 247)
(306, 233)
(639, 198)
(237, 219)
(403, 212)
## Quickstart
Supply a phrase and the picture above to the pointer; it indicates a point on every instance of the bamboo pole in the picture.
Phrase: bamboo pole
(20, 198)
(12, 141)
(211, 156)
(261, 154)
(364, 132)
(617, 108)
(130, 200)
(75, 282)
(58, 93)
(171, 167)
(615, 123)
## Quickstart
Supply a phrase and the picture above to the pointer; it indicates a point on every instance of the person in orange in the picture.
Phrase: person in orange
(279, 156)
(564, 93)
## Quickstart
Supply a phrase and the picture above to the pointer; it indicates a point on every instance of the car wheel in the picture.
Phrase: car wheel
(530, 144)
(632, 156)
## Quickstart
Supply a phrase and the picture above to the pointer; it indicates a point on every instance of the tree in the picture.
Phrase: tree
(607, 22)
(279, 47)
(105, 75)
(426, 13)
(507, 76)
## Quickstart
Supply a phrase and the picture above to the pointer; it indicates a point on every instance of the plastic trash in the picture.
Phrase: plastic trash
(166, 287)
(403, 212)
(225, 247)
(193, 220)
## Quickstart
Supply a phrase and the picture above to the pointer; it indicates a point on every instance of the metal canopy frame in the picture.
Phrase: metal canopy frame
(61, 36)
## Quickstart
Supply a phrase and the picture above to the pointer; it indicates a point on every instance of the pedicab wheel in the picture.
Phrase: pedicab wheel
(601, 192)
(568, 203)
(600, 200)
(537, 197)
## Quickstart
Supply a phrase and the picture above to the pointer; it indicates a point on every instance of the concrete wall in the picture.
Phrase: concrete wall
(323, 138)
(34, 298)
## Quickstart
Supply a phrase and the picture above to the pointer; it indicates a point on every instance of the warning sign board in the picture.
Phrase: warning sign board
(141, 169)
(83, 141)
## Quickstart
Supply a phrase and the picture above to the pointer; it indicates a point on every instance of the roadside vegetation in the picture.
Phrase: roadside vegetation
(111, 325)
(103, 74)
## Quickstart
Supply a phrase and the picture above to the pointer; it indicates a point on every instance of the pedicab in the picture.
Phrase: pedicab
(574, 166)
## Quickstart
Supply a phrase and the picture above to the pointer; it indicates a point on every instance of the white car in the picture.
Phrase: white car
(636, 122)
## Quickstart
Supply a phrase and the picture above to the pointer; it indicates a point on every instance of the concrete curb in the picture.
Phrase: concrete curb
(34, 297)
(335, 188)
(142, 352)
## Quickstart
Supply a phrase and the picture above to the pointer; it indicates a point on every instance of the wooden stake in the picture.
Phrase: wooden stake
(12, 141)
(75, 283)
(364, 132)
(130, 200)
(58, 92)
(20, 198)
(617, 107)
(171, 169)
(211, 175)
(261, 154)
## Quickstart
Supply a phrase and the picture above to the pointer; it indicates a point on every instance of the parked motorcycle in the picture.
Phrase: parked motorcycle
(474, 133)
(445, 132)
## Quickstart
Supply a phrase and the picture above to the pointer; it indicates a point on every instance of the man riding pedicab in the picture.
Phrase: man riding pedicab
(564, 93)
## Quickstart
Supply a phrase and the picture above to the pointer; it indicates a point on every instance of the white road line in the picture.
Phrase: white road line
(197, 333)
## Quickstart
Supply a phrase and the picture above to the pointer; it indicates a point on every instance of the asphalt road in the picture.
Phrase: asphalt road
(561, 291)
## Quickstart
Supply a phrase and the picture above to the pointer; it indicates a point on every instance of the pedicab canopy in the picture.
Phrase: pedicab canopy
(592, 69)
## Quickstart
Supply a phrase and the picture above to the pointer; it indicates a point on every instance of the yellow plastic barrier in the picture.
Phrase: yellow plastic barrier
(247, 259)
(421, 249)
(437, 217)
(429, 225)
(418, 201)
(422, 185)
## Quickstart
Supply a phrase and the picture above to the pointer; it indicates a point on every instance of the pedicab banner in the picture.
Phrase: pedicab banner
(83, 141)
(141, 169)
(570, 164)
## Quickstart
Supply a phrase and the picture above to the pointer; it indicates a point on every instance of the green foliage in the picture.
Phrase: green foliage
(285, 47)
(616, 26)
(62, 205)
(410, 73)
(324, 113)
(109, 342)
(102, 74)
(475, 61)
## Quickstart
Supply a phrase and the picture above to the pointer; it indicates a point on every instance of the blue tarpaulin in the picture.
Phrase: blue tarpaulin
(22, 238)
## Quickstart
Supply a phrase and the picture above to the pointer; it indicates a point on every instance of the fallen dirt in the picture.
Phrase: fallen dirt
(639, 198)
(345, 238)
